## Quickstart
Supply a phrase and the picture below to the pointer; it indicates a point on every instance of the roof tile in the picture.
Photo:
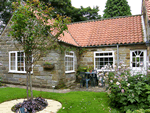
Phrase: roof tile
(120, 30)
(147, 3)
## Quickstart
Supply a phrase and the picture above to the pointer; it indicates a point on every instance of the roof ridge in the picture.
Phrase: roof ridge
(103, 19)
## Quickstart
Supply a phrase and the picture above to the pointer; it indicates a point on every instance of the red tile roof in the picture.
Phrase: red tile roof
(147, 4)
(119, 30)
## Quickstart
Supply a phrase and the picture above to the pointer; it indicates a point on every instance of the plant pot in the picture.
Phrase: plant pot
(48, 66)
(90, 71)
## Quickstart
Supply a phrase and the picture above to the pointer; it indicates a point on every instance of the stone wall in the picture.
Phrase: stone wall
(87, 59)
(40, 76)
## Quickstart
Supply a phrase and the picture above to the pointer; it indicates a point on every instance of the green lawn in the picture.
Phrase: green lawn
(72, 102)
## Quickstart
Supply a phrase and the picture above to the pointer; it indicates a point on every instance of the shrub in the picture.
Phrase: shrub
(139, 111)
(127, 91)
(32, 106)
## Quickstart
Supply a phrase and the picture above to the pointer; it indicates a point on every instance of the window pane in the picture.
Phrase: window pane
(12, 56)
(12, 62)
(111, 59)
(133, 60)
(106, 59)
(71, 54)
(133, 64)
(101, 54)
(97, 54)
(138, 64)
(141, 54)
(133, 54)
(105, 54)
(110, 54)
(101, 59)
(12, 65)
(141, 59)
(137, 59)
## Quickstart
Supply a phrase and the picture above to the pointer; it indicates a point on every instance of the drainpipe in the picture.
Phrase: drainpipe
(117, 55)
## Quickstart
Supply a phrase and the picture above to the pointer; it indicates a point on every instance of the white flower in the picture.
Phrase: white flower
(111, 81)
(100, 84)
(115, 77)
(100, 78)
(102, 68)
(141, 64)
(126, 79)
(117, 83)
(128, 84)
(142, 76)
(119, 66)
(63, 107)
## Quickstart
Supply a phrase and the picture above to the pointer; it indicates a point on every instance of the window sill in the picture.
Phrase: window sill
(18, 72)
(69, 71)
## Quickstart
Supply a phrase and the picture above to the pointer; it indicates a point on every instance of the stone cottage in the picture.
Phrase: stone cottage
(106, 41)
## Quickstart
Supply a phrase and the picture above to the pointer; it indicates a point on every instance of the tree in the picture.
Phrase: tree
(65, 8)
(33, 28)
(5, 12)
(115, 8)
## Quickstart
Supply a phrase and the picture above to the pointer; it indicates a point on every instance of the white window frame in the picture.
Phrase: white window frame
(139, 69)
(113, 55)
(72, 56)
(16, 59)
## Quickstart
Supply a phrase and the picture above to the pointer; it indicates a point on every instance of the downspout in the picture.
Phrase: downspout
(146, 38)
(117, 56)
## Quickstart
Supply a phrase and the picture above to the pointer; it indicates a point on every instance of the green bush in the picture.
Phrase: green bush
(129, 92)
(139, 111)
(82, 69)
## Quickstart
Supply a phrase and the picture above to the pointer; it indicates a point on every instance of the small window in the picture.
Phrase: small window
(69, 62)
(17, 62)
(103, 58)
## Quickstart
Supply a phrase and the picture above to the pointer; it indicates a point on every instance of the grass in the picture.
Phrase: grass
(72, 102)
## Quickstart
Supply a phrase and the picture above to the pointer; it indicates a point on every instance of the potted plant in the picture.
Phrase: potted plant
(90, 69)
(48, 65)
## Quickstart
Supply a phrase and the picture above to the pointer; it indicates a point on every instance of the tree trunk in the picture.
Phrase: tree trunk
(27, 86)
(31, 86)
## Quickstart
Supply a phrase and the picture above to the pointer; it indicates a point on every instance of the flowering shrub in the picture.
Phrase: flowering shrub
(127, 91)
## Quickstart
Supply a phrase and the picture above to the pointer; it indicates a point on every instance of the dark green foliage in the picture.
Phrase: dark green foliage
(116, 8)
(64, 7)
(5, 12)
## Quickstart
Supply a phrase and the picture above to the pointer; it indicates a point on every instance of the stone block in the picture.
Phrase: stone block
(40, 68)
(44, 77)
(19, 76)
(13, 79)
